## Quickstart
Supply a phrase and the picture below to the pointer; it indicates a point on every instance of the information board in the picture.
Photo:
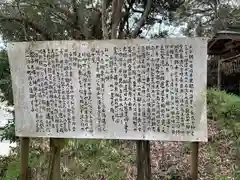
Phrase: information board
(111, 89)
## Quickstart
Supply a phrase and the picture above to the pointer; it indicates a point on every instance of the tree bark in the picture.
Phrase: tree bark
(116, 16)
(143, 19)
(104, 19)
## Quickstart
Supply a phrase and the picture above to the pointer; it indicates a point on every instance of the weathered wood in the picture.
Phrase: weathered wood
(56, 145)
(56, 167)
(148, 156)
(219, 75)
(140, 174)
(194, 160)
(143, 160)
(24, 154)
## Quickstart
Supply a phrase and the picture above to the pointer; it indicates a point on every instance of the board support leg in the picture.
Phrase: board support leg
(143, 160)
(24, 155)
(194, 160)
(56, 144)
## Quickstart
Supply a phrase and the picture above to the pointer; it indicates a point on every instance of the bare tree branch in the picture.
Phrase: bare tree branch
(104, 19)
(138, 11)
(63, 10)
(142, 20)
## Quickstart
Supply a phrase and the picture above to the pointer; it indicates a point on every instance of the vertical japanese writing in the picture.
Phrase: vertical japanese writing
(147, 89)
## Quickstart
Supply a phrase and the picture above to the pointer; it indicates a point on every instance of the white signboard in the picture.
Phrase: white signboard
(113, 89)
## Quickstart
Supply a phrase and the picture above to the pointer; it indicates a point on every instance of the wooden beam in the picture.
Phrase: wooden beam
(211, 43)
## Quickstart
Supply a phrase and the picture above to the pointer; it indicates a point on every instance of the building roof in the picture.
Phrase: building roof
(223, 42)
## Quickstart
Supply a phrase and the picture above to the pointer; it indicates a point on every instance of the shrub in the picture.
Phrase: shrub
(224, 108)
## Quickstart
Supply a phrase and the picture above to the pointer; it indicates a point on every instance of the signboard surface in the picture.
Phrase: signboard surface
(113, 89)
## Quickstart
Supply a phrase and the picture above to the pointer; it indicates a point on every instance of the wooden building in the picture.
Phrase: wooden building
(224, 61)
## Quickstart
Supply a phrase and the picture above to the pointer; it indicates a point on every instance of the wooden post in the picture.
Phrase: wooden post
(143, 147)
(148, 160)
(139, 160)
(143, 160)
(56, 163)
(56, 144)
(219, 74)
(238, 87)
(24, 154)
(194, 160)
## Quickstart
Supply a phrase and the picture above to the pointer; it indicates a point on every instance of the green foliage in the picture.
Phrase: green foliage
(5, 79)
(205, 18)
(13, 170)
(9, 132)
(100, 158)
(225, 109)
(6, 95)
(221, 178)
(90, 159)
(24, 20)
